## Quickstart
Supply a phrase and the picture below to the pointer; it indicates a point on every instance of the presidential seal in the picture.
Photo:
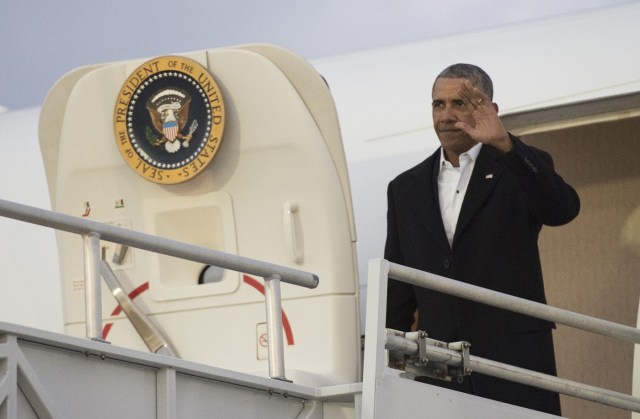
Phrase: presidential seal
(169, 119)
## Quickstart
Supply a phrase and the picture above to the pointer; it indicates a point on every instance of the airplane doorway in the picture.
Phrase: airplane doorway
(592, 265)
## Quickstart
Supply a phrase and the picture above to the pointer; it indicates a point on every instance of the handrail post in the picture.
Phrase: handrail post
(374, 362)
(274, 327)
(92, 290)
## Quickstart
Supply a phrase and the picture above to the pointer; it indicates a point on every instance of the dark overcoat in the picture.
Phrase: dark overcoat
(495, 246)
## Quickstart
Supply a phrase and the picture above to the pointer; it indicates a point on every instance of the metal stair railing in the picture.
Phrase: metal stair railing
(381, 270)
(92, 232)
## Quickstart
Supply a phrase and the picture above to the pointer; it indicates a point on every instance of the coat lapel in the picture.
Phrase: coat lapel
(426, 202)
(485, 176)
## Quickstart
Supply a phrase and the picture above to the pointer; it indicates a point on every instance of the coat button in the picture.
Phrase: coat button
(447, 263)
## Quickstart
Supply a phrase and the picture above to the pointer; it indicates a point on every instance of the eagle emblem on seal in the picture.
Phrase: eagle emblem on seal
(169, 112)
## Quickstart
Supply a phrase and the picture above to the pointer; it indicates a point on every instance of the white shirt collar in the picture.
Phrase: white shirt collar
(473, 153)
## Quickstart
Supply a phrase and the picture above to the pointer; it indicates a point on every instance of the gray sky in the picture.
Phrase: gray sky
(43, 39)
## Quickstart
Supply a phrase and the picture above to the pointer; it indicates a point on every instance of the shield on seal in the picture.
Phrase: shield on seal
(170, 130)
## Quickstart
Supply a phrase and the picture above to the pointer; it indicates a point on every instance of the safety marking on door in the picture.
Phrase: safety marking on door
(87, 209)
(133, 294)
(286, 326)
(262, 339)
(285, 320)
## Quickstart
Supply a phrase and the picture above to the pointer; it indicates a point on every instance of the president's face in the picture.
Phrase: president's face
(448, 107)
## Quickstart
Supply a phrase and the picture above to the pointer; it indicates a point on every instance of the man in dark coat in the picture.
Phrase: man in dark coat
(472, 212)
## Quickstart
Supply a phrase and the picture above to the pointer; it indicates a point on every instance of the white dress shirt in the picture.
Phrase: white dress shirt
(452, 187)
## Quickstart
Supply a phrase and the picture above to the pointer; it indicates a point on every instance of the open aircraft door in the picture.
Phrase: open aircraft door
(591, 265)
(254, 166)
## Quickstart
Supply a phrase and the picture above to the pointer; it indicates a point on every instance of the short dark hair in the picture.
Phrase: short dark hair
(473, 73)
